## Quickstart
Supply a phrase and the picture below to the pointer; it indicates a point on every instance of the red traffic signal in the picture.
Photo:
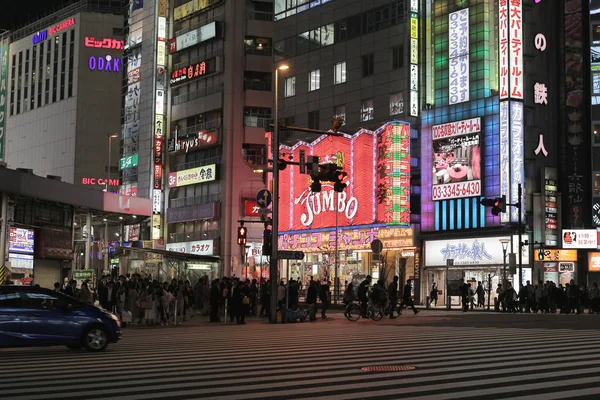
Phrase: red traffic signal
(498, 204)
(242, 235)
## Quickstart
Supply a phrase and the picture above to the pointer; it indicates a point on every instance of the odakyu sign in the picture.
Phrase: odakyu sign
(106, 63)
(378, 191)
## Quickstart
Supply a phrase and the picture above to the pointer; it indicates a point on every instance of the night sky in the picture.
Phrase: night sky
(14, 14)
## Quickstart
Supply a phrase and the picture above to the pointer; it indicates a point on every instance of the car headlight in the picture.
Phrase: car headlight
(115, 318)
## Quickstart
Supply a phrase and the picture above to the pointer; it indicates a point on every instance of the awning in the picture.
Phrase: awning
(174, 254)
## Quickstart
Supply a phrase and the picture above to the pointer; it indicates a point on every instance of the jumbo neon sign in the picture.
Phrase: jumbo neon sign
(378, 191)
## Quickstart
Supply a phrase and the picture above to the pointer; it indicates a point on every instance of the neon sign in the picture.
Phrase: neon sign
(378, 191)
(39, 37)
(107, 63)
(63, 25)
(414, 60)
(100, 181)
(188, 73)
(105, 43)
(458, 51)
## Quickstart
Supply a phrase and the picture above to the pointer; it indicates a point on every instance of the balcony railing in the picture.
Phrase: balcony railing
(198, 163)
(259, 51)
(196, 200)
(251, 84)
(192, 236)
(182, 98)
(259, 15)
(257, 122)
(255, 156)
(208, 126)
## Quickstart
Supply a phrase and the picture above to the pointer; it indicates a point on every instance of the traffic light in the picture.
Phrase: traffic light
(338, 185)
(329, 172)
(242, 233)
(499, 205)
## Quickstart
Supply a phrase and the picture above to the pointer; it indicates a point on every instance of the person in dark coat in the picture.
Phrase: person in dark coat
(265, 299)
(240, 301)
(311, 300)
(363, 294)
(215, 300)
(325, 297)
(464, 294)
(393, 296)
(407, 298)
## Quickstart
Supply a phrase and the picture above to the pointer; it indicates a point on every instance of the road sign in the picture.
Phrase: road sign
(264, 198)
(376, 246)
(290, 255)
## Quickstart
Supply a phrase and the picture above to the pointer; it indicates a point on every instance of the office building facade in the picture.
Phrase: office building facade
(63, 95)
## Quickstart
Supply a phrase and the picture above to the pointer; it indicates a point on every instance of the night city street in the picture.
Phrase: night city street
(455, 356)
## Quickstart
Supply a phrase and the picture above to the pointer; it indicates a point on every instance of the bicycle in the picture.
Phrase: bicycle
(354, 311)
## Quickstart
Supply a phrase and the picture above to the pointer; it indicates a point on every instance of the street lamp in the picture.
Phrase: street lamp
(273, 270)
(110, 138)
(505, 243)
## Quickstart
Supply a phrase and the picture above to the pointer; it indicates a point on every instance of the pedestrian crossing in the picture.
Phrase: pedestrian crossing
(314, 360)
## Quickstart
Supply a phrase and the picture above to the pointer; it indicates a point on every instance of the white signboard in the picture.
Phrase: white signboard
(132, 233)
(505, 155)
(503, 45)
(196, 36)
(517, 165)
(579, 239)
(515, 30)
(156, 201)
(200, 247)
(474, 251)
(458, 52)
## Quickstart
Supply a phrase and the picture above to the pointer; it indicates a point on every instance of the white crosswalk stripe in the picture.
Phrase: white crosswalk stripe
(322, 360)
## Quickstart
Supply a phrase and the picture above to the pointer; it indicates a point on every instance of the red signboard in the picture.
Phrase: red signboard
(251, 208)
(378, 191)
(127, 204)
(158, 169)
(188, 73)
(158, 151)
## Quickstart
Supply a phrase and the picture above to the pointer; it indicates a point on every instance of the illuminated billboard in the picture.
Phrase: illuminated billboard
(458, 52)
(193, 176)
(21, 241)
(456, 159)
(378, 191)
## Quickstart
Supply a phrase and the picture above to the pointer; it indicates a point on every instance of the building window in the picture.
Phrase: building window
(257, 117)
(339, 72)
(396, 103)
(71, 52)
(40, 76)
(47, 85)
(340, 112)
(12, 84)
(366, 110)
(63, 65)
(55, 70)
(260, 81)
(314, 80)
(397, 57)
(368, 64)
(19, 82)
(260, 46)
(290, 86)
(596, 132)
(313, 120)
(596, 184)
(289, 121)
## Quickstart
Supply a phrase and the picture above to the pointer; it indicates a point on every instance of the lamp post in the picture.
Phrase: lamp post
(110, 138)
(273, 270)
(505, 243)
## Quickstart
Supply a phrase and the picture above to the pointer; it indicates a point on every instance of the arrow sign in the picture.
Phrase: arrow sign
(264, 198)
(290, 255)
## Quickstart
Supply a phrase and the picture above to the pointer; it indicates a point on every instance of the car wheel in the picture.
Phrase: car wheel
(74, 346)
(95, 339)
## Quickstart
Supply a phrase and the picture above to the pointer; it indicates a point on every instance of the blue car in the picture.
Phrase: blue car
(33, 316)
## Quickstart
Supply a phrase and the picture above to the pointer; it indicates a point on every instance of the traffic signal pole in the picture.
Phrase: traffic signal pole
(273, 270)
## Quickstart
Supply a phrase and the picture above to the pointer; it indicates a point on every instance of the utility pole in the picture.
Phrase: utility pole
(519, 206)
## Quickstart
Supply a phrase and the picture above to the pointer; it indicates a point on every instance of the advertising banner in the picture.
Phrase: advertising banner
(193, 176)
(21, 241)
(200, 247)
(458, 51)
(580, 239)
(201, 140)
(192, 7)
(127, 204)
(594, 261)
(3, 96)
(457, 159)
(193, 37)
(192, 71)
(474, 251)
(251, 208)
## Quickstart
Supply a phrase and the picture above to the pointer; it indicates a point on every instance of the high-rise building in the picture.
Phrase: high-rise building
(62, 107)
(357, 60)
(197, 100)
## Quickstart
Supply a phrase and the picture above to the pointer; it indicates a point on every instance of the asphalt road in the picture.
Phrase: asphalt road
(432, 355)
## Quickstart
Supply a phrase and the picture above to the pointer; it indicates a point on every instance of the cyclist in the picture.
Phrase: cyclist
(349, 297)
(379, 294)
(363, 294)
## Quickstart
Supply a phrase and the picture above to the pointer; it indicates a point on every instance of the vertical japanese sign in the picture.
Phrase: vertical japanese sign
(3, 97)
(577, 165)
(510, 55)
(159, 116)
(550, 207)
(458, 52)
(414, 58)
